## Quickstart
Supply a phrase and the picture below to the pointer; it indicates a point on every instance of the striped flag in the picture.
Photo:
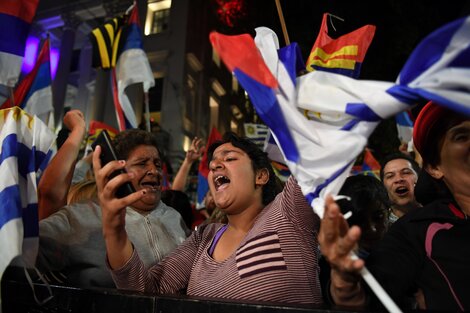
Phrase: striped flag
(202, 185)
(34, 92)
(343, 55)
(320, 154)
(25, 152)
(132, 67)
(15, 21)
(104, 41)
(256, 133)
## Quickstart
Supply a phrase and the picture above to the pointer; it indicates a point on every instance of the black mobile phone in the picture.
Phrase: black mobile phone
(107, 155)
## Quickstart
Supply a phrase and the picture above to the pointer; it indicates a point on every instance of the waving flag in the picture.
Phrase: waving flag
(34, 93)
(15, 21)
(343, 55)
(25, 152)
(202, 185)
(132, 67)
(437, 70)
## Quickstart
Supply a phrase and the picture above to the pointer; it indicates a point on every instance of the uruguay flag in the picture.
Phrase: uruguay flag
(34, 93)
(320, 153)
(25, 152)
(15, 21)
(132, 67)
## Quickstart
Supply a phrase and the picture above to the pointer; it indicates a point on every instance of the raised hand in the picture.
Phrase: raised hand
(195, 150)
(337, 241)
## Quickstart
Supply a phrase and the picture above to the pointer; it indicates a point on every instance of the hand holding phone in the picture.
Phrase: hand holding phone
(107, 155)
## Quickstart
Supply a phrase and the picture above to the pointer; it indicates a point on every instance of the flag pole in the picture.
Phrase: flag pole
(147, 110)
(283, 23)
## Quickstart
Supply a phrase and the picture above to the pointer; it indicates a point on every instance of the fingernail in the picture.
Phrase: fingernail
(144, 192)
(122, 161)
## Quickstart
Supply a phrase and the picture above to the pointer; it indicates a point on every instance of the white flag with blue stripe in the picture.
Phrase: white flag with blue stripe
(25, 151)
(322, 120)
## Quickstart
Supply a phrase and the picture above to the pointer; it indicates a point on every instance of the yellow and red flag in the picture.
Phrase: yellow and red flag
(343, 55)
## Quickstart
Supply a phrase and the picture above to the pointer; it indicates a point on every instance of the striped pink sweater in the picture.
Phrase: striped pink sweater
(277, 260)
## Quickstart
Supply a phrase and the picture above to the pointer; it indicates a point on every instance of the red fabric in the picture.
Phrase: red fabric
(24, 9)
(425, 121)
(134, 16)
(96, 127)
(230, 48)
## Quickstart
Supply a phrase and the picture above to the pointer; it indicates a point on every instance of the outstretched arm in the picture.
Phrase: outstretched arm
(57, 177)
(193, 154)
(337, 241)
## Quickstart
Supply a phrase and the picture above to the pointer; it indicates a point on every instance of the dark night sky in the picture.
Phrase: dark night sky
(401, 25)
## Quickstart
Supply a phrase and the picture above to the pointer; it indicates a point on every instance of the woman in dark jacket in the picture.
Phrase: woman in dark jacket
(427, 252)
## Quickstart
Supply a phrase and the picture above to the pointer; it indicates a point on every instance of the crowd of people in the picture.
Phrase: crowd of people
(261, 240)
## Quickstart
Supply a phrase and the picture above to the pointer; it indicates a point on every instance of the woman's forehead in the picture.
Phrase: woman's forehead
(226, 148)
(144, 151)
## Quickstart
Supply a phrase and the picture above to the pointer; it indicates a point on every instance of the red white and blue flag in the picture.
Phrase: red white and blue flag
(34, 93)
(132, 67)
(15, 22)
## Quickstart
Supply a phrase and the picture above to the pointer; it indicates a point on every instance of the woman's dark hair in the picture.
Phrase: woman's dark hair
(259, 160)
(396, 156)
(127, 140)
